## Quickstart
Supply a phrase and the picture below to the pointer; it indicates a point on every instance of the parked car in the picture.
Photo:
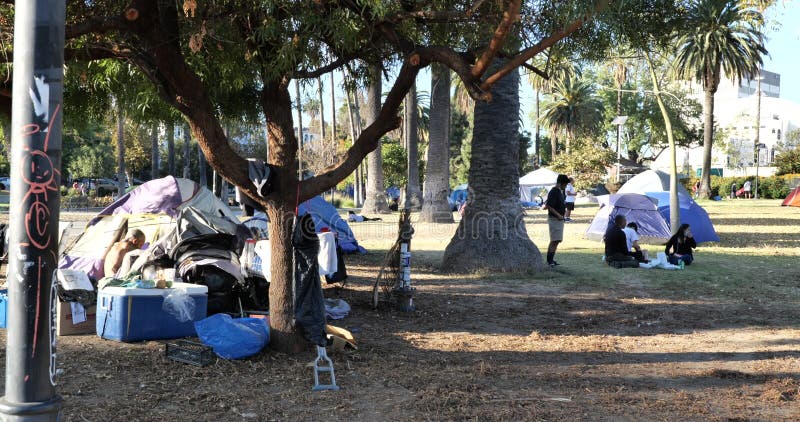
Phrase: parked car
(5, 182)
(103, 186)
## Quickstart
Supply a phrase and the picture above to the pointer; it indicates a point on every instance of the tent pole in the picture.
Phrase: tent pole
(30, 393)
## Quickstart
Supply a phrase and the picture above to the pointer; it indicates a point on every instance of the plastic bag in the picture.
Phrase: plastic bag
(179, 304)
(233, 338)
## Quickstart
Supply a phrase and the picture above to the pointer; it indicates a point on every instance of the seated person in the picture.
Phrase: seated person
(355, 218)
(616, 242)
(680, 245)
(134, 240)
(632, 234)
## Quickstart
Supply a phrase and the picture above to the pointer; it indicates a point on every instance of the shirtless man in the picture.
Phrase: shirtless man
(134, 240)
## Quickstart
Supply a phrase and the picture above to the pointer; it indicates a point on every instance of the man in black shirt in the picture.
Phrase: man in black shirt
(616, 242)
(555, 207)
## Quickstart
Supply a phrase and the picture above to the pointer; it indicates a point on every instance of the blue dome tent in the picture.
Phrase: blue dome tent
(690, 213)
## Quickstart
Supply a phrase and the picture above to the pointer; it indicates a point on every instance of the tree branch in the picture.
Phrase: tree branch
(536, 70)
(509, 17)
(94, 25)
(308, 74)
(527, 54)
(370, 137)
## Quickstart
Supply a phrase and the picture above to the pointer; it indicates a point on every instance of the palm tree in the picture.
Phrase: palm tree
(720, 36)
(376, 196)
(557, 67)
(412, 196)
(492, 234)
(435, 207)
(575, 110)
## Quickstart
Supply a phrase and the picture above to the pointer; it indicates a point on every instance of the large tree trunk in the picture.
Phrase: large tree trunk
(120, 151)
(412, 197)
(376, 197)
(187, 140)
(708, 139)
(553, 146)
(435, 207)
(171, 149)
(154, 152)
(299, 129)
(201, 165)
(492, 234)
(283, 149)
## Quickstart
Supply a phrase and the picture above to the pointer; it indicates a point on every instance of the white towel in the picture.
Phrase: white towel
(327, 259)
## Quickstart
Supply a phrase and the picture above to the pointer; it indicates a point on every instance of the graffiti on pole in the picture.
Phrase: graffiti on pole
(41, 178)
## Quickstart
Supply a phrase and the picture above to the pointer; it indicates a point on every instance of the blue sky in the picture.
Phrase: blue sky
(784, 47)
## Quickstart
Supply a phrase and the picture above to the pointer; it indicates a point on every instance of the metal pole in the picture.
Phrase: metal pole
(758, 154)
(30, 393)
(619, 130)
(758, 126)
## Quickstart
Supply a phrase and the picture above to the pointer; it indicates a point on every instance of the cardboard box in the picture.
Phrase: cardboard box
(64, 325)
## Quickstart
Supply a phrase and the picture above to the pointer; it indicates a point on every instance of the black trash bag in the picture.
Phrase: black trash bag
(309, 305)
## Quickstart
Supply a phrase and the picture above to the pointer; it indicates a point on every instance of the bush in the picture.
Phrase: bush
(772, 187)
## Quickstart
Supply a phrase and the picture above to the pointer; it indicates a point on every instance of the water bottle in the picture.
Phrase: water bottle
(681, 264)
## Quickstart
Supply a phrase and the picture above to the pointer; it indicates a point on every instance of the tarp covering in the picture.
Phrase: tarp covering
(151, 208)
(458, 195)
(531, 184)
(793, 199)
(691, 213)
(637, 209)
(326, 216)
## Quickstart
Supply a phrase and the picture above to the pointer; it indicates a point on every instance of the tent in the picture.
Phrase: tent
(325, 217)
(650, 181)
(151, 208)
(690, 213)
(793, 199)
(636, 208)
(534, 183)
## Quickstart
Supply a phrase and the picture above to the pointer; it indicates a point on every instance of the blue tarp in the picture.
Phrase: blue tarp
(690, 213)
(326, 216)
(458, 196)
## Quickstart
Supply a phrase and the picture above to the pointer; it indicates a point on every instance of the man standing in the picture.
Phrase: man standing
(555, 207)
(569, 202)
(746, 188)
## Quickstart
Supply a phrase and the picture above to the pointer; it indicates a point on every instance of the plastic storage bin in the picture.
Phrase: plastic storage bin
(136, 314)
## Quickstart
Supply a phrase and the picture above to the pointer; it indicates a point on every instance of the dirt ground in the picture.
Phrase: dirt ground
(482, 347)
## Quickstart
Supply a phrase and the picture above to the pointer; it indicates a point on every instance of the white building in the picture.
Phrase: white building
(735, 107)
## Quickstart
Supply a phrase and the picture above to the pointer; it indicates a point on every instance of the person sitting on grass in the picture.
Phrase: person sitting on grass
(355, 218)
(616, 242)
(680, 245)
(134, 240)
(632, 235)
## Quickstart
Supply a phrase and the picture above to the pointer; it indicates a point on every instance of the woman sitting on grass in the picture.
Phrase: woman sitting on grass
(680, 245)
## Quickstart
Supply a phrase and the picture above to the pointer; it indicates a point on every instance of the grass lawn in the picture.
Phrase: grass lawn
(717, 341)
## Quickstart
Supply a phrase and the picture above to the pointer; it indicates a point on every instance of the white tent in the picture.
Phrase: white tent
(534, 183)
